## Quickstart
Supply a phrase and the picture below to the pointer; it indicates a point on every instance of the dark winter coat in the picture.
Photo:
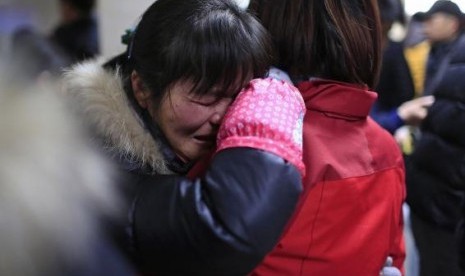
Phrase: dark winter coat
(436, 170)
(222, 224)
(78, 39)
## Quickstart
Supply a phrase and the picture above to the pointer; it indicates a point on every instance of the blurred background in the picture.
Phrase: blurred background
(114, 17)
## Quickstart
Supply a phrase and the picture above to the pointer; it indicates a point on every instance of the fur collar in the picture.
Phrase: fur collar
(99, 97)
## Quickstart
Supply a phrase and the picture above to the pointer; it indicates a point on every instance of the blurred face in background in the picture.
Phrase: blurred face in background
(441, 27)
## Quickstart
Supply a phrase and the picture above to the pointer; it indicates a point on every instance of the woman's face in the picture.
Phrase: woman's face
(188, 121)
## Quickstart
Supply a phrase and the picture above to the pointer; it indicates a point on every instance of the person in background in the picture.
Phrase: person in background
(349, 218)
(77, 33)
(416, 50)
(397, 108)
(396, 105)
(173, 98)
(33, 57)
(435, 179)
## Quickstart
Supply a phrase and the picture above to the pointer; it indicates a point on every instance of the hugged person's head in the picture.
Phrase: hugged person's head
(332, 39)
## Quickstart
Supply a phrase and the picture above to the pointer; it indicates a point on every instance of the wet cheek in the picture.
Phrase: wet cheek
(189, 118)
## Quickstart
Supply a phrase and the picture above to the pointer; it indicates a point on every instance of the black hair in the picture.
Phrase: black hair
(209, 42)
(83, 6)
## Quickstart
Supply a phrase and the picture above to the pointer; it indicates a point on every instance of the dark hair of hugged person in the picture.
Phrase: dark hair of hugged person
(351, 54)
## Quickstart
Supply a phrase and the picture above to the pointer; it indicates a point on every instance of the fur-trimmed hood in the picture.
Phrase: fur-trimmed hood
(99, 97)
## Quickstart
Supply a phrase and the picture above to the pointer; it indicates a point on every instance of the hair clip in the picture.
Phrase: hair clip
(128, 39)
(127, 36)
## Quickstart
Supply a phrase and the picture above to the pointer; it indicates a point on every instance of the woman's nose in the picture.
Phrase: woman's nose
(220, 110)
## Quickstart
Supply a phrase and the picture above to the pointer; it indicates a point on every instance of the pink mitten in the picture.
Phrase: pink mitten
(267, 115)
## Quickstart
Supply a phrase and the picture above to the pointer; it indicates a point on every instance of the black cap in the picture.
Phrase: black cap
(419, 16)
(447, 7)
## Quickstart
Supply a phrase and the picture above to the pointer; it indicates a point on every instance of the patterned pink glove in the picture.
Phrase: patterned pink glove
(267, 115)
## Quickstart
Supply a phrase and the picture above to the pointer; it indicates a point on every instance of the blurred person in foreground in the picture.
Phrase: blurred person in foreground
(435, 169)
(55, 188)
(189, 84)
(349, 219)
(77, 32)
(33, 59)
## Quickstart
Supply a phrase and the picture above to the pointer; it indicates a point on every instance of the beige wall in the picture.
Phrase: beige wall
(118, 15)
(115, 17)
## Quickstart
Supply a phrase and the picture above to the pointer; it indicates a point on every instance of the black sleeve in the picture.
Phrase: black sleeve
(461, 233)
(222, 224)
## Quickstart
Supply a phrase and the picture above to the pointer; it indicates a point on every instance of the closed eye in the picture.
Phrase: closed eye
(206, 103)
(211, 99)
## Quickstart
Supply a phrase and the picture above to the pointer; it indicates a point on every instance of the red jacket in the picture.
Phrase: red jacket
(349, 219)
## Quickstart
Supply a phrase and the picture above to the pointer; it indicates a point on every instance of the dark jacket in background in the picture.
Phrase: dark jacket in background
(436, 169)
(221, 224)
(78, 39)
(395, 87)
